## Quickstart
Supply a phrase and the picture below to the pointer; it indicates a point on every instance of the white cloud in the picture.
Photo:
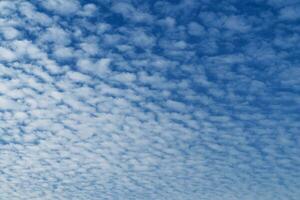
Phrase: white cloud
(76, 76)
(63, 52)
(237, 23)
(56, 35)
(7, 55)
(195, 29)
(89, 10)
(26, 48)
(99, 67)
(90, 48)
(8, 104)
(177, 106)
(131, 13)
(9, 32)
(62, 7)
(29, 10)
(141, 39)
(125, 77)
(7, 8)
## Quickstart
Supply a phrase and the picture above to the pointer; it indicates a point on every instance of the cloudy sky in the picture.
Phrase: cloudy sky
(144, 99)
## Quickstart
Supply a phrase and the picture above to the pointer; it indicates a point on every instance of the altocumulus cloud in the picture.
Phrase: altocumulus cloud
(187, 99)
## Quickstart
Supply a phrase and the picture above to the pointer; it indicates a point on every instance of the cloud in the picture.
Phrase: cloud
(130, 12)
(8, 104)
(6, 54)
(9, 33)
(56, 35)
(29, 11)
(100, 67)
(195, 29)
(236, 23)
(290, 13)
(89, 10)
(133, 100)
(62, 7)
(63, 52)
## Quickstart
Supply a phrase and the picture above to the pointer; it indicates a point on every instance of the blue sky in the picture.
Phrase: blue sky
(131, 99)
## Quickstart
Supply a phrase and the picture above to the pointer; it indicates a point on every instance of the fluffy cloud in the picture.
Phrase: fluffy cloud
(195, 29)
(6, 54)
(62, 7)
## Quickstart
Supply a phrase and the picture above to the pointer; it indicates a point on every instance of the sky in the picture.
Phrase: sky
(143, 100)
